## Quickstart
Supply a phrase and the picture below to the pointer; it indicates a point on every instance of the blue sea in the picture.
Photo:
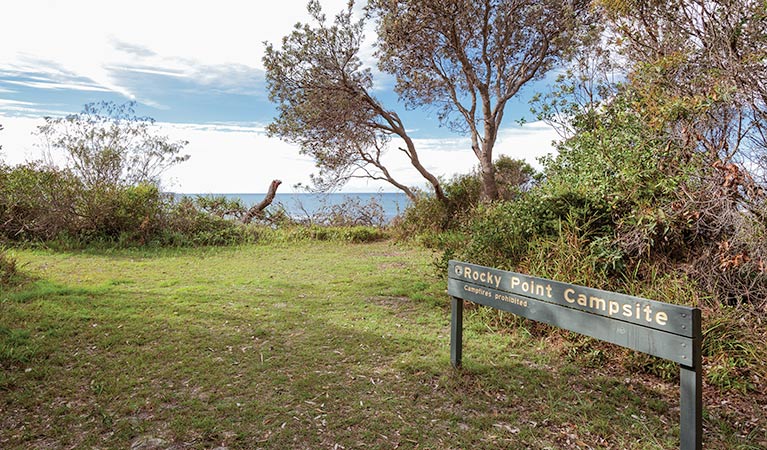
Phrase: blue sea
(303, 205)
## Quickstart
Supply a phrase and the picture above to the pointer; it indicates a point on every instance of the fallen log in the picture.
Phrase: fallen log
(257, 210)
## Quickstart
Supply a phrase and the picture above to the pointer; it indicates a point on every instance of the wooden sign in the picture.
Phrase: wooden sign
(660, 329)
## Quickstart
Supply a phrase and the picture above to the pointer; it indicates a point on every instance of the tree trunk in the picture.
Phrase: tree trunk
(258, 209)
(489, 185)
(438, 192)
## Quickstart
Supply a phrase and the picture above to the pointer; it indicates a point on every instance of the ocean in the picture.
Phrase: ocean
(303, 205)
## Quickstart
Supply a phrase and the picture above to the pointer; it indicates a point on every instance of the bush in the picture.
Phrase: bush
(42, 204)
(38, 203)
(221, 207)
(131, 215)
(186, 224)
(427, 217)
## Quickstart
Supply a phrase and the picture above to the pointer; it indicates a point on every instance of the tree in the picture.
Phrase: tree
(704, 63)
(470, 57)
(108, 145)
(323, 94)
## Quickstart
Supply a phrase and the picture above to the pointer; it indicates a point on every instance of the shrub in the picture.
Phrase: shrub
(38, 203)
(297, 233)
(220, 206)
(129, 215)
(186, 224)
(427, 217)
(43, 204)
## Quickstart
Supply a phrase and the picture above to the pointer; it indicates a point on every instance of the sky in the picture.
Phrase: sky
(196, 69)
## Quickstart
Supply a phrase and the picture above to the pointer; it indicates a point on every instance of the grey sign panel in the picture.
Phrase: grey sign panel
(657, 343)
(661, 316)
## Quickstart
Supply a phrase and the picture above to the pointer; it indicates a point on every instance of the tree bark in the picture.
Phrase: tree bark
(489, 184)
(258, 209)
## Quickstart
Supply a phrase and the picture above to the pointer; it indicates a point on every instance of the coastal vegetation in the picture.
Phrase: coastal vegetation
(132, 316)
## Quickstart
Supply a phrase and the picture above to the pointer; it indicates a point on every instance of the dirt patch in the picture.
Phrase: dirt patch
(401, 306)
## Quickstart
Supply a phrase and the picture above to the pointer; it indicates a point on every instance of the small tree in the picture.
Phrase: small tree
(108, 145)
(323, 94)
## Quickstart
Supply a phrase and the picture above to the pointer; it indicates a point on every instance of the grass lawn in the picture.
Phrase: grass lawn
(306, 345)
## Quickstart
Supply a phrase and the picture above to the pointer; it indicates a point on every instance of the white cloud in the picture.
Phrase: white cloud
(27, 109)
(234, 160)
(50, 84)
(17, 140)
(92, 37)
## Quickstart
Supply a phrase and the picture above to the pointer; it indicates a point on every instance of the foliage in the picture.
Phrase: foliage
(221, 206)
(187, 224)
(702, 68)
(108, 145)
(38, 203)
(697, 69)
(55, 207)
(43, 204)
(426, 218)
(326, 106)
(314, 232)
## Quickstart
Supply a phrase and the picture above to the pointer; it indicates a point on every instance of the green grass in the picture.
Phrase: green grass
(307, 345)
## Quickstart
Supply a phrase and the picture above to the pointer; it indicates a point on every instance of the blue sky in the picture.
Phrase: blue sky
(195, 68)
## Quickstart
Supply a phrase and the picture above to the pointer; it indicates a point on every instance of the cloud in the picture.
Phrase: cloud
(219, 46)
(53, 84)
(224, 157)
(40, 73)
(134, 50)
(256, 128)
(239, 157)
(27, 109)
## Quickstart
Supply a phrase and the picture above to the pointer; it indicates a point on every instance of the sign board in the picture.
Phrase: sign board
(660, 329)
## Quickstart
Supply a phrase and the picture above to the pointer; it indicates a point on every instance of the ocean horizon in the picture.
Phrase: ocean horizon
(302, 205)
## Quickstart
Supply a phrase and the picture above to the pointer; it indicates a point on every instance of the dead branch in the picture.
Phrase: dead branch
(257, 210)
